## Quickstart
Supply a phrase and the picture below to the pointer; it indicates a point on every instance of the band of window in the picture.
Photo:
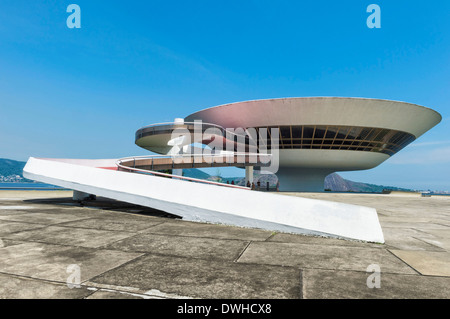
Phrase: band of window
(340, 138)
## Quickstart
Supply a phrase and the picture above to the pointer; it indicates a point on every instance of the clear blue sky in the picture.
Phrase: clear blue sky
(82, 93)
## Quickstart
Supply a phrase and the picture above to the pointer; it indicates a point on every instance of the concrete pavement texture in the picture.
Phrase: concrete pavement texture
(53, 247)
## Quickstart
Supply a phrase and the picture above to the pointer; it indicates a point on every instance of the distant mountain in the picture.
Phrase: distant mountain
(195, 173)
(11, 171)
(335, 182)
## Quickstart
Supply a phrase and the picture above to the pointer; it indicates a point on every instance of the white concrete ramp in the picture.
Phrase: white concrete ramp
(211, 203)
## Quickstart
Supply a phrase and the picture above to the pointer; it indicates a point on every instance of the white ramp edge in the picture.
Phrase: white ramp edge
(210, 203)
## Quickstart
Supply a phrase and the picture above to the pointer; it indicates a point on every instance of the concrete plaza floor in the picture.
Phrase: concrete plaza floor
(118, 250)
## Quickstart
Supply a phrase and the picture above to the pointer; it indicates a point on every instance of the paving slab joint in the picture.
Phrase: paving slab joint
(242, 252)
(418, 272)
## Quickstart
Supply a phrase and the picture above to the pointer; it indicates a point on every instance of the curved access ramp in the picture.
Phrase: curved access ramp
(154, 163)
(206, 202)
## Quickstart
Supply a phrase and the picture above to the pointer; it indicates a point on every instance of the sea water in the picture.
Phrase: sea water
(28, 186)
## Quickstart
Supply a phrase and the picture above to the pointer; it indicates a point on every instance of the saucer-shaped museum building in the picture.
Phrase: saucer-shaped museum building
(317, 135)
(310, 138)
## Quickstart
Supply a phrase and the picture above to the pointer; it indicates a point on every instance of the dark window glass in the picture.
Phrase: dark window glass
(308, 132)
(331, 132)
(342, 137)
(285, 132)
(396, 138)
(373, 132)
(364, 144)
(388, 136)
(381, 134)
(286, 143)
(363, 134)
(343, 132)
(319, 133)
(296, 131)
(354, 132)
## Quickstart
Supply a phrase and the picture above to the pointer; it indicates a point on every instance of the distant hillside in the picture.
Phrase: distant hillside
(195, 173)
(335, 182)
(11, 171)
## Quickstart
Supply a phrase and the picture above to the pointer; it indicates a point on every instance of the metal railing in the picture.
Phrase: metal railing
(134, 159)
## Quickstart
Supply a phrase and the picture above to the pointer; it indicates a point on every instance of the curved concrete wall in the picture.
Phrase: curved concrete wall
(334, 160)
(211, 203)
(406, 117)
